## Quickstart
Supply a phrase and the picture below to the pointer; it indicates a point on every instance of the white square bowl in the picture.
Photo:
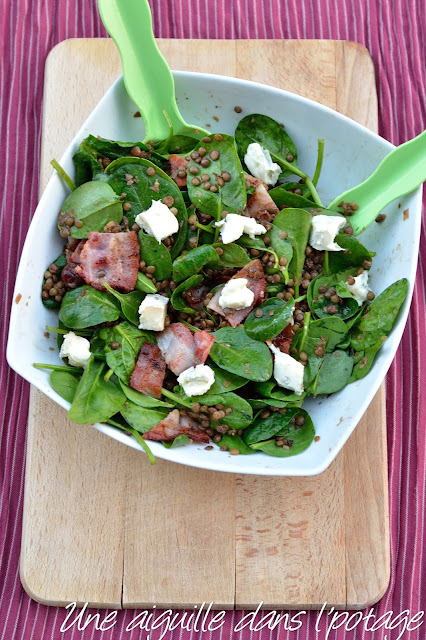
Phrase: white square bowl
(352, 152)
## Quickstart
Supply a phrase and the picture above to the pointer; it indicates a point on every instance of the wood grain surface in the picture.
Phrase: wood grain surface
(101, 525)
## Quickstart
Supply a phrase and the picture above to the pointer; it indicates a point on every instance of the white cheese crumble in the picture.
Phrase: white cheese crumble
(196, 381)
(259, 162)
(324, 230)
(236, 294)
(234, 225)
(76, 349)
(359, 288)
(152, 312)
(288, 372)
(158, 221)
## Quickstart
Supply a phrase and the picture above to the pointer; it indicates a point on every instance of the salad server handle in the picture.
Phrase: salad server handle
(147, 76)
(400, 172)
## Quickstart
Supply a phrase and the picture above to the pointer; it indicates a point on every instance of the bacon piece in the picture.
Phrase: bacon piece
(203, 343)
(195, 296)
(176, 164)
(181, 349)
(175, 424)
(284, 339)
(110, 257)
(253, 182)
(178, 347)
(261, 206)
(150, 369)
(253, 271)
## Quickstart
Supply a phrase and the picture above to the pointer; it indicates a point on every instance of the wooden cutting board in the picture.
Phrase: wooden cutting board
(101, 525)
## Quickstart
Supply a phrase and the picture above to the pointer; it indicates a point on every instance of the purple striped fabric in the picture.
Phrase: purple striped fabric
(393, 31)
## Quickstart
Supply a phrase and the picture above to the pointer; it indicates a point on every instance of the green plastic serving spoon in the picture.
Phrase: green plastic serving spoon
(147, 77)
(401, 171)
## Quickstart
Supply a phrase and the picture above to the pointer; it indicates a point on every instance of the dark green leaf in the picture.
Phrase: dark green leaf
(282, 246)
(224, 381)
(141, 399)
(145, 284)
(141, 418)
(177, 300)
(64, 383)
(233, 255)
(297, 224)
(192, 262)
(86, 166)
(335, 372)
(364, 364)
(87, 307)
(276, 315)
(380, 318)
(144, 188)
(180, 441)
(266, 428)
(240, 416)
(301, 438)
(353, 256)
(235, 352)
(283, 197)
(155, 254)
(129, 303)
(94, 204)
(113, 149)
(270, 390)
(235, 442)
(271, 136)
(95, 400)
(331, 328)
(232, 196)
(130, 339)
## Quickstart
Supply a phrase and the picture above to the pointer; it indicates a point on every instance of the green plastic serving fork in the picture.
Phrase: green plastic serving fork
(147, 76)
(400, 172)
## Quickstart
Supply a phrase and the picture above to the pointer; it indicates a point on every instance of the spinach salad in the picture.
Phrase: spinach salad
(204, 291)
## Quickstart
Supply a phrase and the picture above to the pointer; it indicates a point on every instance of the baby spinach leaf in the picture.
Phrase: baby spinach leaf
(282, 246)
(179, 441)
(112, 149)
(181, 144)
(64, 383)
(363, 365)
(145, 284)
(331, 328)
(224, 381)
(270, 390)
(141, 418)
(235, 442)
(129, 303)
(276, 314)
(232, 195)
(297, 224)
(155, 254)
(346, 310)
(96, 399)
(257, 243)
(300, 438)
(353, 255)
(87, 307)
(87, 167)
(180, 237)
(130, 339)
(334, 373)
(283, 197)
(240, 416)
(60, 262)
(380, 318)
(94, 204)
(235, 352)
(177, 300)
(264, 403)
(232, 255)
(141, 399)
(271, 136)
(192, 262)
(266, 428)
(144, 188)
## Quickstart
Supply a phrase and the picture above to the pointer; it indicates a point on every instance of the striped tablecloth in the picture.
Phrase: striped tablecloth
(393, 31)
